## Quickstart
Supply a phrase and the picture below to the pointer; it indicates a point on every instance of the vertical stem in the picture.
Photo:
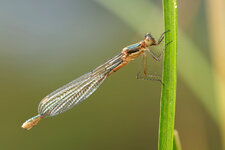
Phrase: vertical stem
(168, 94)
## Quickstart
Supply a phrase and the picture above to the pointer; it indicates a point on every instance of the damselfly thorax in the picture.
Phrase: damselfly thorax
(81, 88)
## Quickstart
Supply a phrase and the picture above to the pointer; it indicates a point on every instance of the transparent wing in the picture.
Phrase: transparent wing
(76, 91)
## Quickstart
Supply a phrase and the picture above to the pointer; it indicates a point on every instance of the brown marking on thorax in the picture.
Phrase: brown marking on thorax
(130, 56)
(127, 57)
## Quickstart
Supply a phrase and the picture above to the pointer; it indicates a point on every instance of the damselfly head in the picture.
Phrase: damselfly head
(149, 40)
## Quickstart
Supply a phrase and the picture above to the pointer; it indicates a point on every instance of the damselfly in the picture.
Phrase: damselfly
(81, 88)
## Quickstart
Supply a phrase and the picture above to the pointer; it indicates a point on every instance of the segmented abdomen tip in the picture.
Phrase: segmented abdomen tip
(31, 122)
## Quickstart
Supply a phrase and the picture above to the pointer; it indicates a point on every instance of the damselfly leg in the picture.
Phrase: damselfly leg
(161, 38)
(157, 58)
(146, 76)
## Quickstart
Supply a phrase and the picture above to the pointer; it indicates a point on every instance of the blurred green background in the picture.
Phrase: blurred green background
(45, 44)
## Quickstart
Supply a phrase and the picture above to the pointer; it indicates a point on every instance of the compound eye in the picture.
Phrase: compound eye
(147, 35)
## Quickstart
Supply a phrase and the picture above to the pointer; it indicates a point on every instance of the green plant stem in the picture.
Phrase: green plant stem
(176, 141)
(168, 94)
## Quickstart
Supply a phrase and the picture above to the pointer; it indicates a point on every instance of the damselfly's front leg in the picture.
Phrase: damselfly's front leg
(158, 58)
(160, 38)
